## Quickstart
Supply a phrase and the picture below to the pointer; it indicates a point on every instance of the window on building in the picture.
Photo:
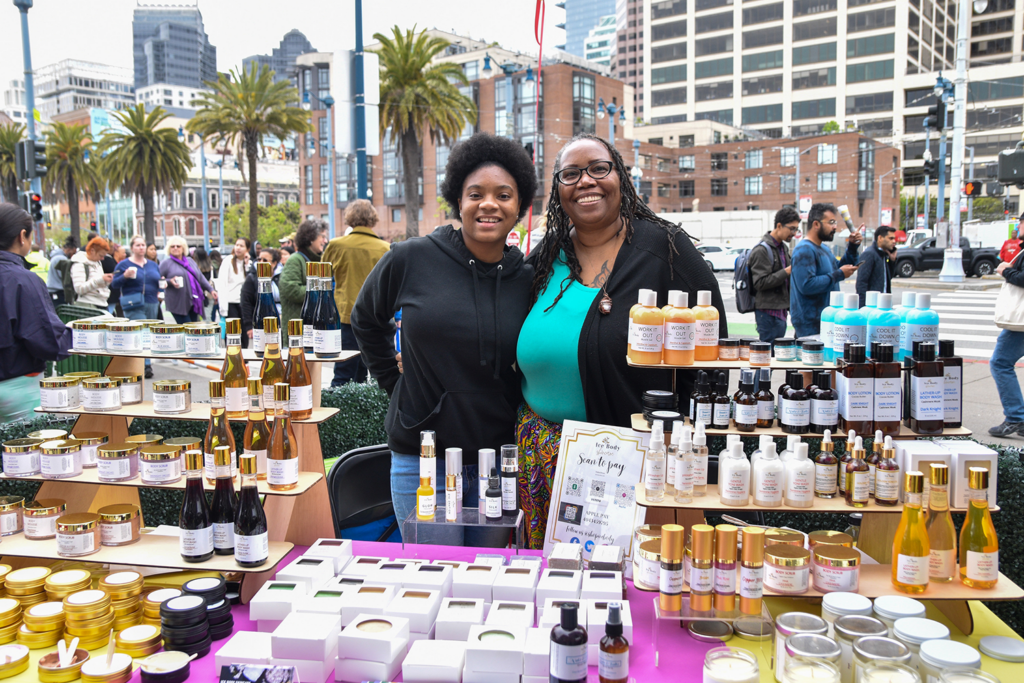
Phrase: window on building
(661, 98)
(787, 184)
(323, 81)
(870, 20)
(766, 113)
(702, 5)
(713, 46)
(762, 85)
(190, 200)
(668, 74)
(719, 187)
(582, 104)
(804, 7)
(811, 54)
(322, 134)
(762, 14)
(668, 53)
(856, 104)
(213, 203)
(772, 35)
(754, 158)
(667, 31)
(752, 185)
(710, 22)
(827, 181)
(190, 226)
(828, 154)
(471, 70)
(814, 78)
(396, 215)
(667, 8)
(763, 60)
(812, 30)
(812, 109)
(663, 190)
(713, 67)
(686, 188)
(998, 6)
(687, 162)
(325, 184)
(984, 48)
(713, 91)
(686, 140)
(721, 115)
(869, 71)
(871, 45)
(720, 161)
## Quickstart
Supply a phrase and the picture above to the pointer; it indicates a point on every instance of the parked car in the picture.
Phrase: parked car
(925, 255)
(719, 257)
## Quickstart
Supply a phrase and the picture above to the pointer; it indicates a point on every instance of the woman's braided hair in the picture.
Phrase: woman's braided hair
(559, 225)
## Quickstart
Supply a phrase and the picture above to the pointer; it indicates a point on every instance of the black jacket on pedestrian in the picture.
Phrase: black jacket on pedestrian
(460, 327)
(768, 275)
(1015, 273)
(30, 331)
(874, 273)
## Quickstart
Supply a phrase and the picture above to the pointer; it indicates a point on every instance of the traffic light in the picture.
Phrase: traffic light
(31, 159)
(36, 207)
(972, 189)
(92, 225)
(931, 168)
(1011, 167)
(936, 118)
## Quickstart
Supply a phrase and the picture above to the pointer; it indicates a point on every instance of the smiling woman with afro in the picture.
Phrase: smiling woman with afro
(463, 296)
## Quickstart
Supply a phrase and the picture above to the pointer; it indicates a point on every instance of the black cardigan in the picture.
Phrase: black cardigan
(612, 390)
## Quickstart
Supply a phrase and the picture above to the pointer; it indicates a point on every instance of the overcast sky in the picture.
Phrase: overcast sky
(101, 30)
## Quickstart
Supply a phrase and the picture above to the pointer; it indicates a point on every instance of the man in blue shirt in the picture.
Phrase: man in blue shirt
(816, 271)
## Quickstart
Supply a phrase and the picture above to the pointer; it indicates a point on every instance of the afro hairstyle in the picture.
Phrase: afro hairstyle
(484, 149)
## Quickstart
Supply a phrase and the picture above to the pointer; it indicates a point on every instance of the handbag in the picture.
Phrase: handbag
(130, 302)
(1010, 305)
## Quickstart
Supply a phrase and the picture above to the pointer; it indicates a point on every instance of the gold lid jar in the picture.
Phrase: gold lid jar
(101, 382)
(122, 585)
(88, 335)
(126, 326)
(26, 578)
(62, 382)
(50, 670)
(22, 446)
(60, 446)
(648, 558)
(787, 569)
(46, 616)
(166, 386)
(35, 640)
(120, 525)
(201, 339)
(41, 518)
(14, 658)
(204, 329)
(78, 534)
(89, 324)
(184, 443)
(48, 434)
(101, 394)
(167, 328)
(144, 439)
(84, 374)
(92, 628)
(828, 537)
(158, 452)
(21, 457)
(11, 503)
(172, 396)
(113, 451)
(787, 555)
(138, 637)
(783, 537)
(91, 438)
(10, 612)
(151, 601)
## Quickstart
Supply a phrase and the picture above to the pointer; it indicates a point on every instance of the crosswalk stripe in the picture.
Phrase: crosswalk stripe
(974, 353)
(965, 309)
(962, 301)
(974, 328)
(968, 337)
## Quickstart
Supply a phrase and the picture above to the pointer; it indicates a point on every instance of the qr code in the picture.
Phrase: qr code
(625, 495)
(597, 488)
(574, 486)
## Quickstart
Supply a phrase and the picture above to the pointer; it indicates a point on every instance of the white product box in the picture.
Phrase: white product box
(362, 565)
(511, 613)
(917, 456)
(431, 577)
(267, 625)
(245, 647)
(456, 616)
(490, 559)
(597, 617)
(420, 607)
(374, 638)
(434, 661)
(429, 635)
(474, 581)
(516, 583)
(313, 571)
(309, 671)
(454, 564)
(527, 561)
(275, 600)
(367, 599)
(601, 585)
(534, 679)
(390, 573)
(560, 583)
(343, 583)
(552, 613)
(497, 655)
(327, 600)
(306, 636)
(537, 653)
(339, 550)
(963, 456)
(488, 677)
(358, 670)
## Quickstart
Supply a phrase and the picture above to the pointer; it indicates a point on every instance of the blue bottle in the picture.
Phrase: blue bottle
(835, 304)
(871, 299)
(851, 325)
(909, 299)
(883, 323)
(922, 322)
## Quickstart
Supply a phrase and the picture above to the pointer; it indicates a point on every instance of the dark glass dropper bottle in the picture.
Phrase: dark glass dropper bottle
(568, 659)
(251, 540)
(225, 503)
(722, 403)
(196, 535)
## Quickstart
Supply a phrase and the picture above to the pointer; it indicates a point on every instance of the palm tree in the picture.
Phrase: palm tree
(10, 135)
(418, 97)
(145, 158)
(243, 108)
(69, 172)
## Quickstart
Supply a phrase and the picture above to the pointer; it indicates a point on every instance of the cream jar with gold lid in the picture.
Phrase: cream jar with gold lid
(101, 394)
(21, 457)
(91, 441)
(59, 393)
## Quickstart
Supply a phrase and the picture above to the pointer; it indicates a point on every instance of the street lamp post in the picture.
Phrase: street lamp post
(362, 191)
(328, 102)
(202, 185)
(220, 195)
(879, 224)
(612, 109)
(637, 173)
(36, 184)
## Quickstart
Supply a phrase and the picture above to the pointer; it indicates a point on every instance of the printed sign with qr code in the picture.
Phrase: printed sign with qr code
(570, 513)
(597, 489)
(625, 495)
(574, 486)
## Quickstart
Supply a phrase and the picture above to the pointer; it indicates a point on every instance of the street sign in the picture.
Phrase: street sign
(920, 220)
(972, 188)
(805, 206)
(513, 239)
(886, 217)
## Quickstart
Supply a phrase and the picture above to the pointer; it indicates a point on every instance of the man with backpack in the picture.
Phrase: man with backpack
(770, 264)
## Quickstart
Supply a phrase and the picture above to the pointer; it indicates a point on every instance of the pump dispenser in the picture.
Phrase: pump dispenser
(492, 504)
(790, 450)
(734, 478)
(769, 478)
(851, 325)
(706, 317)
(908, 305)
(680, 330)
(648, 331)
(828, 316)
(799, 479)
(428, 457)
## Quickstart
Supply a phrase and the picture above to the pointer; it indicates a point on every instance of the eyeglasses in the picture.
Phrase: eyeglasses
(596, 170)
(792, 228)
(831, 222)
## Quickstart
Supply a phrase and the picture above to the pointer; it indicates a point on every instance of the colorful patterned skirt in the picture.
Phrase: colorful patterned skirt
(538, 442)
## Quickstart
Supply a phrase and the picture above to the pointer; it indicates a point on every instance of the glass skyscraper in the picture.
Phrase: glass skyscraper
(580, 17)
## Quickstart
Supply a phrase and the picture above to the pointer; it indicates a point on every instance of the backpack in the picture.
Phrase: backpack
(742, 282)
(64, 268)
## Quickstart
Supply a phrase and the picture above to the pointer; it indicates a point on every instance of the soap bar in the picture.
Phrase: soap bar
(566, 556)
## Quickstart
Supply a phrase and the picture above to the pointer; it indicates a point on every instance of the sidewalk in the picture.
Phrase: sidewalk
(982, 409)
(931, 282)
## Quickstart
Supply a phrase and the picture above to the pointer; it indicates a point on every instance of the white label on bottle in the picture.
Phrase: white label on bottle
(702, 580)
(671, 581)
(425, 506)
(769, 486)
(283, 472)
(707, 333)
(295, 341)
(926, 334)
(691, 409)
(58, 464)
(751, 582)
(168, 343)
(684, 474)
(193, 542)
(942, 564)
(258, 342)
(912, 570)
(200, 344)
(746, 414)
(720, 414)
(842, 477)
(268, 396)
(827, 329)
(704, 413)
(115, 533)
(118, 468)
(735, 484)
(861, 486)
(326, 341)
(887, 484)
(859, 398)
(631, 333)
(169, 403)
(825, 478)
(235, 339)
(568, 662)
(841, 390)
(508, 494)
(124, 342)
(888, 399)
(235, 399)
(671, 464)
(41, 527)
(903, 335)
(21, 463)
(252, 548)
(825, 413)
(765, 410)
(270, 338)
(982, 566)
(926, 398)
(648, 338)
(492, 507)
(450, 510)
(798, 485)
(700, 470)
(301, 398)
(796, 413)
(843, 334)
(725, 581)
(261, 459)
(680, 336)
(224, 536)
(75, 544)
(88, 340)
(655, 474)
(103, 399)
(951, 395)
(613, 666)
(884, 334)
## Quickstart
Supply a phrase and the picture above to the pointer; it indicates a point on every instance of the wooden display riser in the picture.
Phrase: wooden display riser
(639, 424)
(247, 355)
(200, 412)
(734, 365)
(711, 501)
(91, 476)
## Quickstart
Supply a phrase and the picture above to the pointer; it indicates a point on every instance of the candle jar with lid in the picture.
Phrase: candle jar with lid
(131, 388)
(888, 672)
(792, 623)
(914, 632)
(124, 337)
(201, 339)
(40, 518)
(964, 675)
(836, 568)
(60, 458)
(848, 630)
(11, 508)
(78, 534)
(172, 396)
(940, 655)
(812, 352)
(815, 647)
(118, 462)
(21, 457)
(730, 665)
(787, 569)
(91, 442)
(160, 464)
(120, 524)
(839, 604)
(806, 670)
(871, 651)
(891, 608)
(101, 394)
(88, 335)
(167, 338)
(59, 393)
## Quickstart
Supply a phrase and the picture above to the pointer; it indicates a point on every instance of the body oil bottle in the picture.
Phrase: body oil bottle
(195, 535)
(680, 333)
(826, 469)
(910, 549)
(941, 533)
(706, 317)
(218, 432)
(700, 462)
(568, 654)
(297, 374)
(282, 454)
(654, 466)
(979, 545)
(684, 468)
(232, 373)
(224, 506)
(252, 540)
(857, 477)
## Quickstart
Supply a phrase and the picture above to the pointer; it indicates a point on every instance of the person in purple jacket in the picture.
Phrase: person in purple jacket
(184, 295)
(30, 331)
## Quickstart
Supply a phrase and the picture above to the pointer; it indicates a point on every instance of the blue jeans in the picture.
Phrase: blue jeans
(189, 317)
(353, 369)
(405, 479)
(1009, 349)
(144, 312)
(808, 331)
(769, 328)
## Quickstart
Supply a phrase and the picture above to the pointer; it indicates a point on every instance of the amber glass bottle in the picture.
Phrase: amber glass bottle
(826, 468)
(888, 404)
(257, 435)
(911, 549)
(272, 369)
(859, 386)
(218, 432)
(233, 372)
(765, 399)
(298, 375)
(927, 386)
(282, 455)
(857, 477)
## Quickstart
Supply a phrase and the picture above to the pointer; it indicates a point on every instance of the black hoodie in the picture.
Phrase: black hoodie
(460, 327)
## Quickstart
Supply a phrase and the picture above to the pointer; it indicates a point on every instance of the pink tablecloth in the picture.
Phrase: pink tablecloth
(681, 656)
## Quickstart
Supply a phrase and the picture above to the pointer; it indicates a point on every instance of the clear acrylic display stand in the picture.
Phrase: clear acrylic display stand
(469, 517)
(682, 619)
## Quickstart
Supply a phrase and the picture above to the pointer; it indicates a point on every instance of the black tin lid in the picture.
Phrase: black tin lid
(184, 610)
(212, 588)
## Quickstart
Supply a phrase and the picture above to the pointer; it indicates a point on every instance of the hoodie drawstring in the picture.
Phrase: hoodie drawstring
(497, 325)
(476, 305)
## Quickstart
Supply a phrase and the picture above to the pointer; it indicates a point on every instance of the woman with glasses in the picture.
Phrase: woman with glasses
(602, 246)
(185, 284)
